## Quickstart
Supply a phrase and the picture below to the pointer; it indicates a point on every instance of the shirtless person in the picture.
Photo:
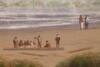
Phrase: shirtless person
(81, 22)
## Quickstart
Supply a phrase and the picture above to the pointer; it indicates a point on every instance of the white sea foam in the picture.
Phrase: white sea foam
(32, 26)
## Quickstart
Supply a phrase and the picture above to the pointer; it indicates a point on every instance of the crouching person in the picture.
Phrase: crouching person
(47, 45)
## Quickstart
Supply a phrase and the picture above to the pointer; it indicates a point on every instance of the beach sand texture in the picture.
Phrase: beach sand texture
(74, 41)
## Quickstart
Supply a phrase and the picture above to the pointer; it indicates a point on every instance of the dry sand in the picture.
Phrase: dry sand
(74, 41)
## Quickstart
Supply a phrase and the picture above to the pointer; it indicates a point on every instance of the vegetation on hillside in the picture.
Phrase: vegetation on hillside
(82, 4)
(89, 60)
(19, 63)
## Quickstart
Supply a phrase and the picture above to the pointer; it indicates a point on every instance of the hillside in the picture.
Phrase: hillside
(81, 4)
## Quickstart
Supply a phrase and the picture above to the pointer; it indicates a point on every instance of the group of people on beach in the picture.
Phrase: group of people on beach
(36, 42)
(83, 21)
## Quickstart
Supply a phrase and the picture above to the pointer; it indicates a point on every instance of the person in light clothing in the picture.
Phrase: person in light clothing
(81, 22)
(57, 39)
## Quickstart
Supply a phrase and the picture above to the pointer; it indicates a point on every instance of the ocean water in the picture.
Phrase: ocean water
(29, 18)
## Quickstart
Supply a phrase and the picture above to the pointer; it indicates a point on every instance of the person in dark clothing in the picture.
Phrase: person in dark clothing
(86, 22)
(57, 39)
(21, 43)
(47, 44)
(15, 42)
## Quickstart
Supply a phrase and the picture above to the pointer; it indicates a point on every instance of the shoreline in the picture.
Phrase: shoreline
(67, 27)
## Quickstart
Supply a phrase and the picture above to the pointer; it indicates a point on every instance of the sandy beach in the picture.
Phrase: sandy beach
(73, 40)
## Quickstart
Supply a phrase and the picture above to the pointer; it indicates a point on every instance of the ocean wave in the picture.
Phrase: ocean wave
(32, 26)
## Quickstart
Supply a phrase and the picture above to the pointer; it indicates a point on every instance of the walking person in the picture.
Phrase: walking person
(57, 39)
(15, 42)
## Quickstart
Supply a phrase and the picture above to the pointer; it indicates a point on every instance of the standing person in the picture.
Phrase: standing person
(86, 22)
(81, 22)
(39, 41)
(57, 39)
(15, 42)
(28, 43)
(21, 43)
(25, 43)
(34, 42)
